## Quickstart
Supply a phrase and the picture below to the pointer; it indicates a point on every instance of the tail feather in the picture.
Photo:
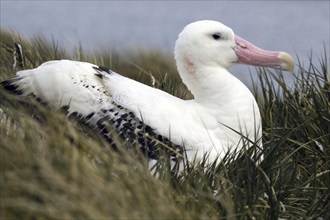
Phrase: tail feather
(11, 86)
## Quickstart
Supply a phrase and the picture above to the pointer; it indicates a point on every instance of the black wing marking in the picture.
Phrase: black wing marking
(11, 86)
(101, 69)
(133, 131)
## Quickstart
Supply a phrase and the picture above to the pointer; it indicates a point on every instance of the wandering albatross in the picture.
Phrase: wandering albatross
(222, 112)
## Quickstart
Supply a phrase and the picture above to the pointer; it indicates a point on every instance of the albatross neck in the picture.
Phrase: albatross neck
(215, 87)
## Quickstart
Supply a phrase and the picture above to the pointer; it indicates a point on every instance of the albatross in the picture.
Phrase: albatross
(216, 121)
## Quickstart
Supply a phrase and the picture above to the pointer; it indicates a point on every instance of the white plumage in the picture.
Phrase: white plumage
(222, 106)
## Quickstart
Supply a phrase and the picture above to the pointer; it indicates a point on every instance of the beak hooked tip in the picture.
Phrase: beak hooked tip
(287, 61)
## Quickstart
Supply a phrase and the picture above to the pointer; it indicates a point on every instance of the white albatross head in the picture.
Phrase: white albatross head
(211, 43)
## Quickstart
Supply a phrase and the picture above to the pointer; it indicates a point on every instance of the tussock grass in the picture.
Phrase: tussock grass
(53, 167)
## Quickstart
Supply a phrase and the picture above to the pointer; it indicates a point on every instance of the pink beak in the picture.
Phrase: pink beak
(247, 53)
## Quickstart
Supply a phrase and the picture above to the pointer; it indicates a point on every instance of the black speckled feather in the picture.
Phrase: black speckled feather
(133, 131)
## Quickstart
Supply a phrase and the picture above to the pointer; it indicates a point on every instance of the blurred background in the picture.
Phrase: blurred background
(297, 27)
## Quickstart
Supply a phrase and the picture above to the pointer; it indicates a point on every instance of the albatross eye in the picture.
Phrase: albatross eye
(217, 36)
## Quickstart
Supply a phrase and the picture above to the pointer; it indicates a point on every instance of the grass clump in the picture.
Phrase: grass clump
(53, 167)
